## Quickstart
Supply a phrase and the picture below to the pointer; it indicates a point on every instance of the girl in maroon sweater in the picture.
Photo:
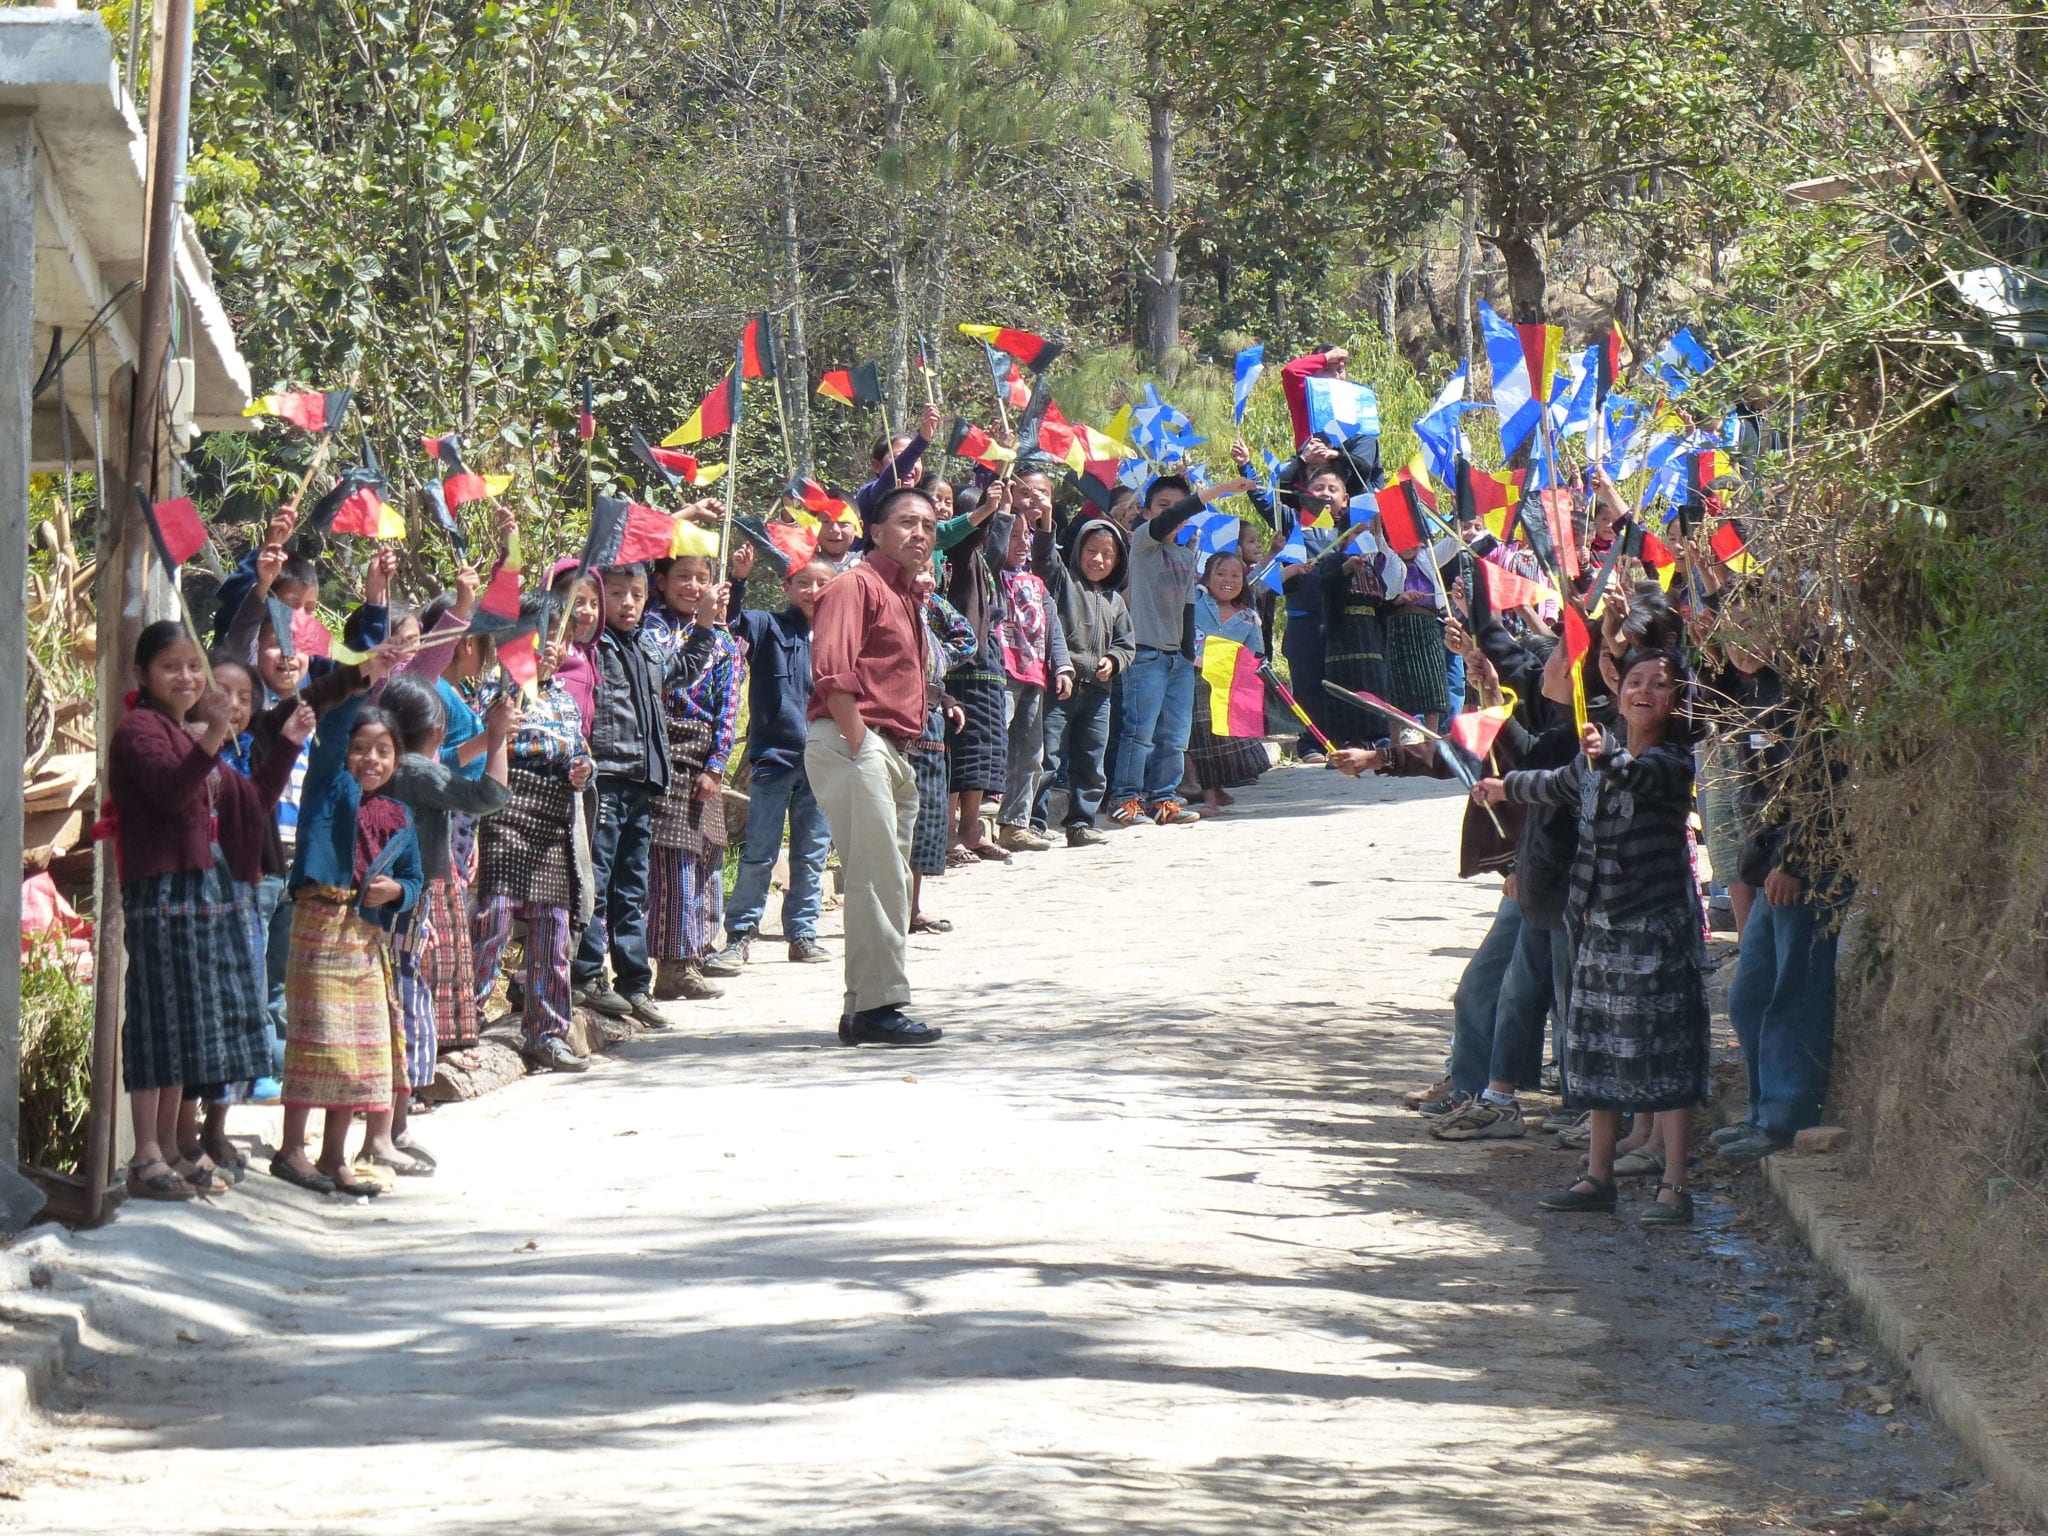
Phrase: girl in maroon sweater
(195, 1005)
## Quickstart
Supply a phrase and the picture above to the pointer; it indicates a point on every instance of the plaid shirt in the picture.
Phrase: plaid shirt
(714, 697)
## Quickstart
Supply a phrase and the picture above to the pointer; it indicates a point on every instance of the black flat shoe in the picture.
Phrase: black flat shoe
(1599, 1198)
(846, 1030)
(892, 1026)
(1676, 1214)
(316, 1183)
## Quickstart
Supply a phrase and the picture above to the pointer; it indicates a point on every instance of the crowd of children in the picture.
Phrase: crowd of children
(328, 852)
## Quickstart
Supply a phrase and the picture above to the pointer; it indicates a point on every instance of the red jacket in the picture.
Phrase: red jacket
(1294, 377)
(156, 777)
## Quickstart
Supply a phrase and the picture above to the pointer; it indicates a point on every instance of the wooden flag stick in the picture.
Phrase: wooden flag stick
(732, 471)
(782, 421)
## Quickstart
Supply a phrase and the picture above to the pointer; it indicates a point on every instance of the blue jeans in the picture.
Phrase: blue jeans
(1302, 644)
(1560, 1002)
(1159, 711)
(274, 912)
(618, 864)
(776, 795)
(1500, 1005)
(1076, 741)
(1782, 1004)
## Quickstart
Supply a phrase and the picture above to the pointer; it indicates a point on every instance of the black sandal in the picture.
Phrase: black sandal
(1600, 1197)
(1677, 1214)
(315, 1182)
(922, 924)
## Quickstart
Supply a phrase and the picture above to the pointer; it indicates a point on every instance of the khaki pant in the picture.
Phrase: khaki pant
(870, 802)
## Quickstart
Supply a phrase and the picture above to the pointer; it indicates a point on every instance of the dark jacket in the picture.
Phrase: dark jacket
(432, 789)
(778, 649)
(1790, 771)
(629, 730)
(1549, 839)
(1094, 615)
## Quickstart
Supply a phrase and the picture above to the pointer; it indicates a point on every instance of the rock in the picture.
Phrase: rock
(1821, 1138)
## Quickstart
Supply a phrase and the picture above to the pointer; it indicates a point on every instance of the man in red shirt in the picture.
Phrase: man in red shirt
(867, 701)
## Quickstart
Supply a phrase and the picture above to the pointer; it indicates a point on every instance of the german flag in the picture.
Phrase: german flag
(1010, 386)
(354, 507)
(714, 418)
(1488, 496)
(521, 661)
(1730, 547)
(1098, 482)
(625, 533)
(1610, 360)
(1401, 504)
(1645, 546)
(174, 528)
(586, 415)
(816, 500)
(1058, 440)
(1034, 352)
(1507, 590)
(837, 385)
(311, 411)
(692, 539)
(501, 598)
(970, 442)
(759, 358)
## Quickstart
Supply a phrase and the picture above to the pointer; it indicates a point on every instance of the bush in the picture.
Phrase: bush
(56, 1058)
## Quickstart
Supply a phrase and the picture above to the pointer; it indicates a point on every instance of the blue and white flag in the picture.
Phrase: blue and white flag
(1515, 405)
(1574, 410)
(1341, 409)
(1680, 361)
(1251, 362)
(1210, 531)
(1441, 432)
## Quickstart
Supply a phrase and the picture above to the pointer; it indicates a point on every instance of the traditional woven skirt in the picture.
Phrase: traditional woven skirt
(1416, 662)
(977, 752)
(344, 1047)
(928, 761)
(686, 874)
(447, 964)
(415, 998)
(1636, 1037)
(1355, 656)
(195, 1009)
(1222, 762)
(527, 851)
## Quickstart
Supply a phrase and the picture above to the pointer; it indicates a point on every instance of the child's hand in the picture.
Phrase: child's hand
(705, 789)
(299, 724)
(580, 772)
(468, 582)
(213, 712)
(380, 662)
(1063, 686)
(502, 721)
(1105, 669)
(282, 524)
(382, 891)
(377, 579)
(956, 717)
(269, 561)
(928, 424)
(508, 525)
(1456, 640)
(1593, 742)
(1353, 761)
(551, 657)
(1489, 792)
(708, 513)
(711, 606)
(743, 560)
(1236, 487)
(1240, 452)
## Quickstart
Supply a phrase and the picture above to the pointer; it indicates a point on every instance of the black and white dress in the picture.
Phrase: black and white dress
(1635, 1038)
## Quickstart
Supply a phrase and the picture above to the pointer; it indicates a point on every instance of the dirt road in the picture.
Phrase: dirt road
(1148, 1247)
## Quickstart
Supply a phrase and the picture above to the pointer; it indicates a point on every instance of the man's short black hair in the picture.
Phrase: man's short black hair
(887, 503)
(298, 568)
(631, 568)
(1169, 482)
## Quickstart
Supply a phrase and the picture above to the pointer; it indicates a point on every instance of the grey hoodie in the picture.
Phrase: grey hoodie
(1093, 614)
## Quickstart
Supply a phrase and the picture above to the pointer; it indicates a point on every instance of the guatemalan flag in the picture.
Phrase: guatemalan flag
(1251, 362)
(1524, 360)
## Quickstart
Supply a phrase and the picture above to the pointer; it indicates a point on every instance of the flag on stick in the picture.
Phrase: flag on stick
(174, 528)
(867, 385)
(1251, 362)
(1034, 352)
(1523, 359)
(354, 507)
(837, 385)
(1237, 694)
(714, 417)
(759, 358)
(625, 532)
(967, 441)
(586, 415)
(309, 410)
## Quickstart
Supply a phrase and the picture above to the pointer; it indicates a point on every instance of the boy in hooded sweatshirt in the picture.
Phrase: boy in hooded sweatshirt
(1087, 590)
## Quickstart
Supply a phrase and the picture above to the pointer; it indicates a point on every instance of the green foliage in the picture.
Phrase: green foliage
(56, 1058)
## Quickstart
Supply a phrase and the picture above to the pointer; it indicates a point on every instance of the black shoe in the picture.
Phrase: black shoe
(644, 1008)
(846, 1030)
(316, 1183)
(807, 952)
(1676, 1214)
(891, 1026)
(1084, 837)
(604, 1000)
(1599, 1198)
(556, 1056)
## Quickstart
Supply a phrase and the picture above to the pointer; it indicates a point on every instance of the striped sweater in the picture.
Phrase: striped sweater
(1632, 860)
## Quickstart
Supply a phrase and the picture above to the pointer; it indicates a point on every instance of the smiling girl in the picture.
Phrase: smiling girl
(1635, 1039)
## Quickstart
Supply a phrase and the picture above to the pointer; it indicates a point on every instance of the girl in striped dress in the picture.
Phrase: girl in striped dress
(1218, 764)
(686, 875)
(1635, 1036)
(355, 873)
(194, 1009)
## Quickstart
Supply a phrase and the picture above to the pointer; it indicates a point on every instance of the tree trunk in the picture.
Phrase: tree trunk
(1385, 305)
(1159, 287)
(938, 267)
(896, 243)
(1526, 278)
(796, 365)
(1468, 265)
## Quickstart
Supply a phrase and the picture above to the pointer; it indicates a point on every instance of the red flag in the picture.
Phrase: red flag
(460, 490)
(1730, 547)
(837, 385)
(501, 597)
(1506, 590)
(1034, 352)
(799, 545)
(586, 417)
(517, 656)
(1400, 505)
(367, 515)
(757, 348)
(713, 418)
(179, 533)
(1577, 638)
(1557, 516)
(1476, 729)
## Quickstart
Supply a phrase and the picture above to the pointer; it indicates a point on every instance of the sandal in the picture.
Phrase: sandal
(405, 1168)
(1676, 1214)
(960, 858)
(923, 924)
(415, 1151)
(359, 1188)
(990, 853)
(1600, 1197)
(1638, 1163)
(227, 1157)
(206, 1180)
(158, 1186)
(316, 1182)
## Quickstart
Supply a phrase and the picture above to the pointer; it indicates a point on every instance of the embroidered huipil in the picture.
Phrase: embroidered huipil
(714, 695)
(550, 736)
